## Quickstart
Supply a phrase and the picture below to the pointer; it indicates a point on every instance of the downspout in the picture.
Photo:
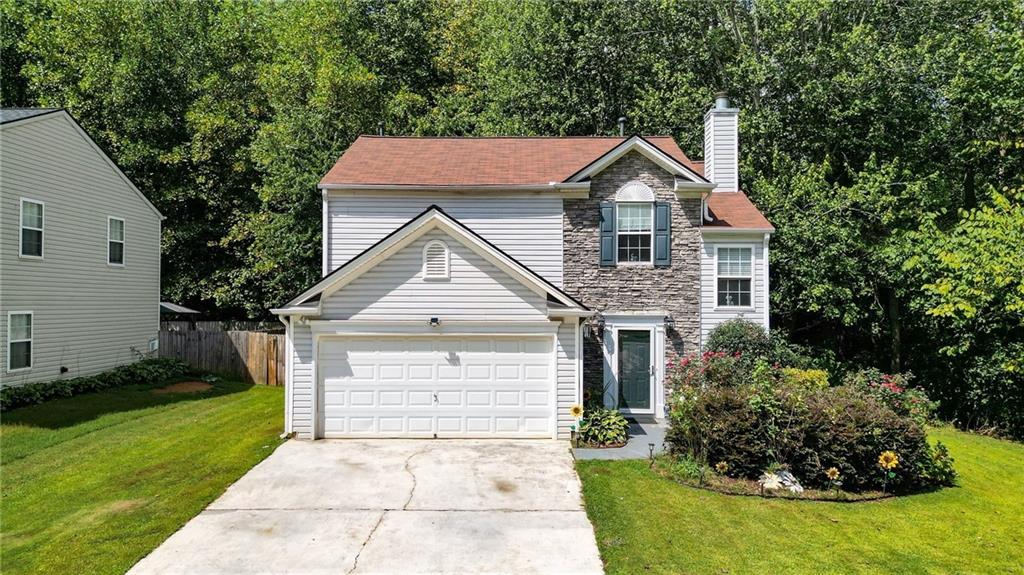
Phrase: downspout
(287, 376)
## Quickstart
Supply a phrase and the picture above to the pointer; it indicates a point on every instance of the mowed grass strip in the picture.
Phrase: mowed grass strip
(647, 524)
(91, 484)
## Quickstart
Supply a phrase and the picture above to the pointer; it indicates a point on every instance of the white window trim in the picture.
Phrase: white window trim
(123, 240)
(21, 226)
(447, 261)
(648, 263)
(753, 289)
(32, 350)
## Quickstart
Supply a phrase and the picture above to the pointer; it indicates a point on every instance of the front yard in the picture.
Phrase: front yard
(93, 483)
(647, 524)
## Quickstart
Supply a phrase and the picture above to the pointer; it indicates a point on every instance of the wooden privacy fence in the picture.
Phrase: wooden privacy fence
(252, 356)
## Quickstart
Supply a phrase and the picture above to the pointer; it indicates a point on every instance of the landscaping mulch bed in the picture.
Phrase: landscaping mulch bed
(183, 387)
(750, 488)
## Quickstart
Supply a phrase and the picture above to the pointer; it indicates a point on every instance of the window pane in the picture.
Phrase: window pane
(21, 326)
(116, 252)
(734, 292)
(634, 248)
(31, 242)
(634, 217)
(21, 354)
(31, 214)
(116, 230)
(734, 261)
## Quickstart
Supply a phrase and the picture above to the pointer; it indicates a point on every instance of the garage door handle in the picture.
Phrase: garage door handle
(435, 397)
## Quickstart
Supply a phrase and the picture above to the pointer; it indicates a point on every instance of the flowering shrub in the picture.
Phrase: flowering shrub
(894, 391)
(711, 368)
(765, 422)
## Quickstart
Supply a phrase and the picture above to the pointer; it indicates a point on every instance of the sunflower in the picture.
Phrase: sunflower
(722, 467)
(832, 473)
(576, 411)
(888, 460)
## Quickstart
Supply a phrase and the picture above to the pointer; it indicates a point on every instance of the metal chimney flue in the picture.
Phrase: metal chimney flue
(622, 126)
(380, 128)
(722, 101)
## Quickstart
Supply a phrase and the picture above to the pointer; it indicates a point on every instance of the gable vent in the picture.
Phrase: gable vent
(436, 260)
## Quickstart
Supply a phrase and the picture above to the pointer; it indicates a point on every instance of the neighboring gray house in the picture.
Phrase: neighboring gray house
(479, 287)
(79, 254)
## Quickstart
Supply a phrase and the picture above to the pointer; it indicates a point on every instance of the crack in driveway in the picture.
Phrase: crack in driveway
(408, 470)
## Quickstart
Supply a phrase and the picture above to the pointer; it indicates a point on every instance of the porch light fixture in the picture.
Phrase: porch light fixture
(435, 322)
(669, 322)
(599, 324)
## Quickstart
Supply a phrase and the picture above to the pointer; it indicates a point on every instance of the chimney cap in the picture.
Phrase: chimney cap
(722, 100)
(622, 125)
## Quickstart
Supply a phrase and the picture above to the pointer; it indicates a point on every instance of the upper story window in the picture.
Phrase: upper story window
(115, 241)
(634, 223)
(735, 271)
(31, 241)
(19, 340)
(634, 232)
(436, 260)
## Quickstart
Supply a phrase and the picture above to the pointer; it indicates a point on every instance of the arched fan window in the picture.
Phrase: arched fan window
(436, 260)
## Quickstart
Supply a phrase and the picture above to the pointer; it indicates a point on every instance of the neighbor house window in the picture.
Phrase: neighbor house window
(735, 275)
(634, 232)
(19, 340)
(115, 241)
(31, 228)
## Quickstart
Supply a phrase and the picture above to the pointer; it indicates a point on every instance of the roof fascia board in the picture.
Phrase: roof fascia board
(711, 230)
(641, 145)
(17, 123)
(692, 190)
(563, 189)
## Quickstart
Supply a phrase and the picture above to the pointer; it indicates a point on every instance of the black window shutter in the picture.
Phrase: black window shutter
(607, 234)
(662, 234)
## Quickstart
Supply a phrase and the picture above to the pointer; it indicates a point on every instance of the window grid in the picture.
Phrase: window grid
(115, 241)
(634, 228)
(735, 275)
(19, 341)
(31, 228)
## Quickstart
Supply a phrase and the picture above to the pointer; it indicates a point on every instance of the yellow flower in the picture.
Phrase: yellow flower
(832, 473)
(888, 460)
(576, 411)
(721, 467)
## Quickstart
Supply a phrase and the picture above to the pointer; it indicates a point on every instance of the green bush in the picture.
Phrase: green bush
(739, 336)
(145, 372)
(602, 427)
(769, 423)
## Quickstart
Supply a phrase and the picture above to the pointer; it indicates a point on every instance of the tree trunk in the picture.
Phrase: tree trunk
(894, 325)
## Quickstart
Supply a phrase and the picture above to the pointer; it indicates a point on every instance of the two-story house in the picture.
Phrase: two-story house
(79, 254)
(479, 287)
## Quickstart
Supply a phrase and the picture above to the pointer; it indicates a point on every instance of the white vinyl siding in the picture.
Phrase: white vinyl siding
(301, 366)
(566, 385)
(713, 314)
(32, 222)
(115, 241)
(88, 317)
(19, 340)
(526, 227)
(395, 290)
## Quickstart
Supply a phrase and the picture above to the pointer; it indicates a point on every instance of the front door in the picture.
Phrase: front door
(635, 370)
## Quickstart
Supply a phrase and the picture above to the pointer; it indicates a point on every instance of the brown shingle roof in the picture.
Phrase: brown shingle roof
(392, 160)
(735, 210)
(475, 161)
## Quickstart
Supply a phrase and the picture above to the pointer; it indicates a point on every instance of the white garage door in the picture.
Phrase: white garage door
(436, 387)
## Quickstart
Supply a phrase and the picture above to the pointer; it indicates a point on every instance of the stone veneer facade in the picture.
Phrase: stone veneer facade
(674, 289)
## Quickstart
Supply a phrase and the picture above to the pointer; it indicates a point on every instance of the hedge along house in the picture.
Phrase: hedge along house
(479, 287)
(79, 254)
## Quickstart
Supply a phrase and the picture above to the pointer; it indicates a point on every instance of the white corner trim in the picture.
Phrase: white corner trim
(325, 234)
(767, 291)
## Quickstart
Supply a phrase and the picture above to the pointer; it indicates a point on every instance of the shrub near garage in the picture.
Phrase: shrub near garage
(603, 427)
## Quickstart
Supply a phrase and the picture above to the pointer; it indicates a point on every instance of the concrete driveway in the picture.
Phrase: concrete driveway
(393, 506)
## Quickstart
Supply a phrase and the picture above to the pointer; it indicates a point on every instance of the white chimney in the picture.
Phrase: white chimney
(722, 145)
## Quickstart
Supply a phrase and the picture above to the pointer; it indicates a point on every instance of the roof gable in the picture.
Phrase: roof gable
(650, 151)
(432, 218)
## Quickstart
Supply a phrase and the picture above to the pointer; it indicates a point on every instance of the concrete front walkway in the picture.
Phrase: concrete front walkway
(638, 446)
(393, 506)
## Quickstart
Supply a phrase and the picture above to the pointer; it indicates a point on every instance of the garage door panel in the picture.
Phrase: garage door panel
(451, 387)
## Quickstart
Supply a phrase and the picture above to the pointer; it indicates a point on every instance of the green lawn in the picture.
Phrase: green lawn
(91, 484)
(647, 524)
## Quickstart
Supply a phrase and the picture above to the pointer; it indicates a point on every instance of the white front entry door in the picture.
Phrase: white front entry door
(438, 386)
